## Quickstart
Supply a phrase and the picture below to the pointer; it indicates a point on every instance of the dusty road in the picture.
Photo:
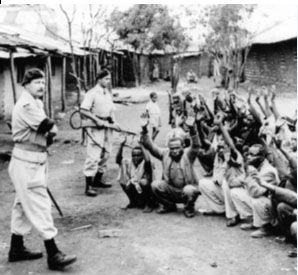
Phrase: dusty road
(147, 244)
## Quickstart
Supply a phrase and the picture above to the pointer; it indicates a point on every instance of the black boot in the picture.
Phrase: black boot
(18, 252)
(99, 181)
(89, 189)
(56, 259)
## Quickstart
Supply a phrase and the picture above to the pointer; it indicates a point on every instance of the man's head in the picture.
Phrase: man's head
(256, 155)
(248, 120)
(221, 145)
(137, 155)
(104, 78)
(153, 96)
(176, 148)
(34, 82)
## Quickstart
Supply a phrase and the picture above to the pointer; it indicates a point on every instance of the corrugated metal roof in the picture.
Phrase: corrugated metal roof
(10, 36)
(281, 31)
(22, 54)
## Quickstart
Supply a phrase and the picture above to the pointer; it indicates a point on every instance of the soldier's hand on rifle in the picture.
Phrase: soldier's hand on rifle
(115, 126)
(124, 141)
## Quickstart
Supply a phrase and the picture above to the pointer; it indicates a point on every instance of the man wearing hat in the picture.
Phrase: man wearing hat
(99, 107)
(28, 168)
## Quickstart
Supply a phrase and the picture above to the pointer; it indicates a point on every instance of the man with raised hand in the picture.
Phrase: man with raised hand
(179, 183)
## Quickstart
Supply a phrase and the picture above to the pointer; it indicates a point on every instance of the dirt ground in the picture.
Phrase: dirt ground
(136, 243)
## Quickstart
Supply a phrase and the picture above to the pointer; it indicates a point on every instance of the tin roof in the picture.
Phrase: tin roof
(281, 31)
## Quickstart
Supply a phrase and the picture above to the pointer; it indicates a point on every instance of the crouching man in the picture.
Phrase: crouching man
(179, 183)
(135, 178)
(28, 170)
(255, 199)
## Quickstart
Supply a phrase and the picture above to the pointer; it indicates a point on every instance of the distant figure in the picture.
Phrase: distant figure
(167, 76)
(191, 77)
(153, 111)
(216, 71)
(155, 72)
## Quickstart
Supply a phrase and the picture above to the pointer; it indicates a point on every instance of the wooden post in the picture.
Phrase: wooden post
(49, 69)
(45, 96)
(13, 77)
(63, 82)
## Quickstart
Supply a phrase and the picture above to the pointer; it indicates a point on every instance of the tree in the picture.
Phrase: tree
(228, 39)
(145, 28)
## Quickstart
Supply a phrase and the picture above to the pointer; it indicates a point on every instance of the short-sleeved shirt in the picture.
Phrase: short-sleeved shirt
(99, 101)
(27, 115)
(154, 113)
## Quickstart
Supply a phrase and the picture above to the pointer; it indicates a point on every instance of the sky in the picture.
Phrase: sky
(265, 16)
(127, 3)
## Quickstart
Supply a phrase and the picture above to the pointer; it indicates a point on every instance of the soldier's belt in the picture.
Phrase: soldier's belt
(30, 147)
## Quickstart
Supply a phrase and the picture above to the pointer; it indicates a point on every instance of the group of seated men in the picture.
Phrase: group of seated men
(248, 155)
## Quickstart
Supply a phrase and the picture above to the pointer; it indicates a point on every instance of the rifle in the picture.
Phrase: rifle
(77, 122)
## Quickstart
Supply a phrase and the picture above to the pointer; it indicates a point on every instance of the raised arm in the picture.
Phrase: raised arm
(218, 121)
(119, 155)
(195, 144)
(273, 103)
(252, 108)
(209, 112)
(292, 160)
(146, 140)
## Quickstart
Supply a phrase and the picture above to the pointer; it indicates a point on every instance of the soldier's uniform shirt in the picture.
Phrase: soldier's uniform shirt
(98, 101)
(28, 171)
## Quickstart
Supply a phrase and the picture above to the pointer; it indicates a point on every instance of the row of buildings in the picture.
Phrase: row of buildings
(272, 59)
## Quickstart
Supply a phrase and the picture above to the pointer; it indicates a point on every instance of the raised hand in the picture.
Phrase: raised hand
(273, 92)
(190, 120)
(218, 118)
(144, 119)
(252, 171)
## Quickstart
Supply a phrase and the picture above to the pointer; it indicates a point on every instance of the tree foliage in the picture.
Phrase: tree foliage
(228, 38)
(146, 28)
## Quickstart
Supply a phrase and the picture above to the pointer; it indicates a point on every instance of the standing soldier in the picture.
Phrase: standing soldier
(99, 107)
(32, 130)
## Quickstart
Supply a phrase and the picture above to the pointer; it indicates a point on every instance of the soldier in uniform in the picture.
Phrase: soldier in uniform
(99, 107)
(28, 169)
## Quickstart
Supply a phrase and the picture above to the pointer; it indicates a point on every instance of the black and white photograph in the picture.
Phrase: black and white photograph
(148, 139)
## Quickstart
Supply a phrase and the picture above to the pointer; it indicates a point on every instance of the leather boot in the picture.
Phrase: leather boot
(18, 252)
(59, 260)
(99, 181)
(56, 259)
(89, 191)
